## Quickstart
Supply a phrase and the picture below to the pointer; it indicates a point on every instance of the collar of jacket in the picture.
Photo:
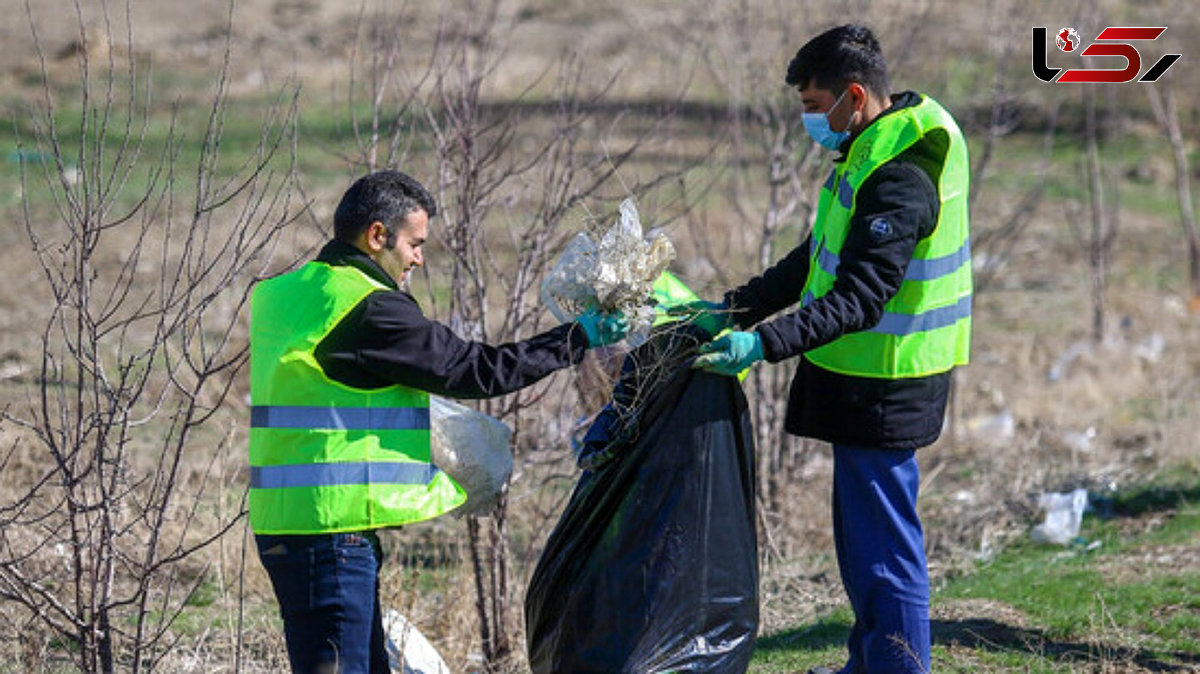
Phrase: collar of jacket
(338, 253)
(902, 100)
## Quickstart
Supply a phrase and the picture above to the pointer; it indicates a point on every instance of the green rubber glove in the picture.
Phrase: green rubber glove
(603, 329)
(730, 354)
(712, 317)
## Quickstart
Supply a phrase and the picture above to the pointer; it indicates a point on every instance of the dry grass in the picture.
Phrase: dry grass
(1121, 412)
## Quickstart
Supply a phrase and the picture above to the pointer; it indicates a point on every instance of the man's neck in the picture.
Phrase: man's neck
(338, 252)
(872, 109)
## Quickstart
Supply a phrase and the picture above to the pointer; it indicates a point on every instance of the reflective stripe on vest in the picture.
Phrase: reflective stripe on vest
(326, 457)
(340, 418)
(925, 328)
(918, 270)
(908, 324)
(330, 474)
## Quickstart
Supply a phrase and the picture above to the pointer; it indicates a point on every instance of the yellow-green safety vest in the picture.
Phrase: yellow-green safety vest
(926, 327)
(669, 291)
(326, 457)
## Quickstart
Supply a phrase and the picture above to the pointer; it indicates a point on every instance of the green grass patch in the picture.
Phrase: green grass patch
(1124, 158)
(1124, 596)
(822, 642)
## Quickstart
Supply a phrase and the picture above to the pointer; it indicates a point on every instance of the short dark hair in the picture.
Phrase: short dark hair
(838, 57)
(384, 196)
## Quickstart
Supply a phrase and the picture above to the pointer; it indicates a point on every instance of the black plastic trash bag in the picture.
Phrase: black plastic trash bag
(653, 566)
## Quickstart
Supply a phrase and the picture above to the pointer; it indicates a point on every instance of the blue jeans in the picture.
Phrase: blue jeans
(328, 591)
(881, 556)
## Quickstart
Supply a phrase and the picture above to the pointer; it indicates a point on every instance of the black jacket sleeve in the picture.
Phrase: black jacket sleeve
(387, 340)
(897, 207)
(772, 291)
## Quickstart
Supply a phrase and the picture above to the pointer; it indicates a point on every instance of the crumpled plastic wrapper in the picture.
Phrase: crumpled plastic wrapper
(616, 273)
(473, 449)
(1064, 515)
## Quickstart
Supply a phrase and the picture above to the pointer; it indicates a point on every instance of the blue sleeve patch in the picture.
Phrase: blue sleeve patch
(880, 229)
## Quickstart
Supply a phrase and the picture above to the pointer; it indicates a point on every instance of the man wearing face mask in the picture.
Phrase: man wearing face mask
(342, 362)
(883, 284)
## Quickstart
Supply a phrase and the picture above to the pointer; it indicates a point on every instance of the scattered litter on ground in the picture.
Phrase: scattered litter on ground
(1080, 441)
(409, 652)
(997, 427)
(1064, 513)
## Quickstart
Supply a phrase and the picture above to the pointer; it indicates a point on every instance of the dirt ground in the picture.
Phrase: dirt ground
(1041, 408)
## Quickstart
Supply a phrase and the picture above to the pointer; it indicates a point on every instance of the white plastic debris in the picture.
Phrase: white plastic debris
(1080, 441)
(1064, 513)
(409, 652)
(1062, 365)
(1151, 348)
(473, 449)
(616, 273)
(997, 427)
(965, 496)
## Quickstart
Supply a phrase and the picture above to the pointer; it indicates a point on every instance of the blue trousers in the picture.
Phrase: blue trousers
(881, 556)
(328, 591)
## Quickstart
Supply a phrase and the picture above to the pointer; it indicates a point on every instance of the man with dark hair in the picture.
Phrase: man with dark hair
(342, 362)
(385, 196)
(884, 287)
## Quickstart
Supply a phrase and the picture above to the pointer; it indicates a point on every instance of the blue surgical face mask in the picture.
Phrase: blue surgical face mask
(817, 126)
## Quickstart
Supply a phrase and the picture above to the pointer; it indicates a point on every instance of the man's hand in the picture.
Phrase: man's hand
(603, 329)
(730, 354)
(712, 317)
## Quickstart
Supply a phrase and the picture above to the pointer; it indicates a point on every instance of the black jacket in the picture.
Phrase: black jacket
(386, 339)
(889, 414)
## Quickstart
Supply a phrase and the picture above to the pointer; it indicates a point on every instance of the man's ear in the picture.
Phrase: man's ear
(375, 237)
(858, 94)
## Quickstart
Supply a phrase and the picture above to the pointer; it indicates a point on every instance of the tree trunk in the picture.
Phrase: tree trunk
(1097, 257)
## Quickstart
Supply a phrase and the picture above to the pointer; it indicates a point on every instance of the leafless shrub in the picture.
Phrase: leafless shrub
(995, 236)
(973, 489)
(1103, 216)
(141, 346)
(1166, 114)
(510, 176)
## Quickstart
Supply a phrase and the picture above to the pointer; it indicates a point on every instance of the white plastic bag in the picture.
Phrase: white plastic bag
(409, 652)
(1064, 513)
(473, 449)
(616, 273)
(568, 287)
